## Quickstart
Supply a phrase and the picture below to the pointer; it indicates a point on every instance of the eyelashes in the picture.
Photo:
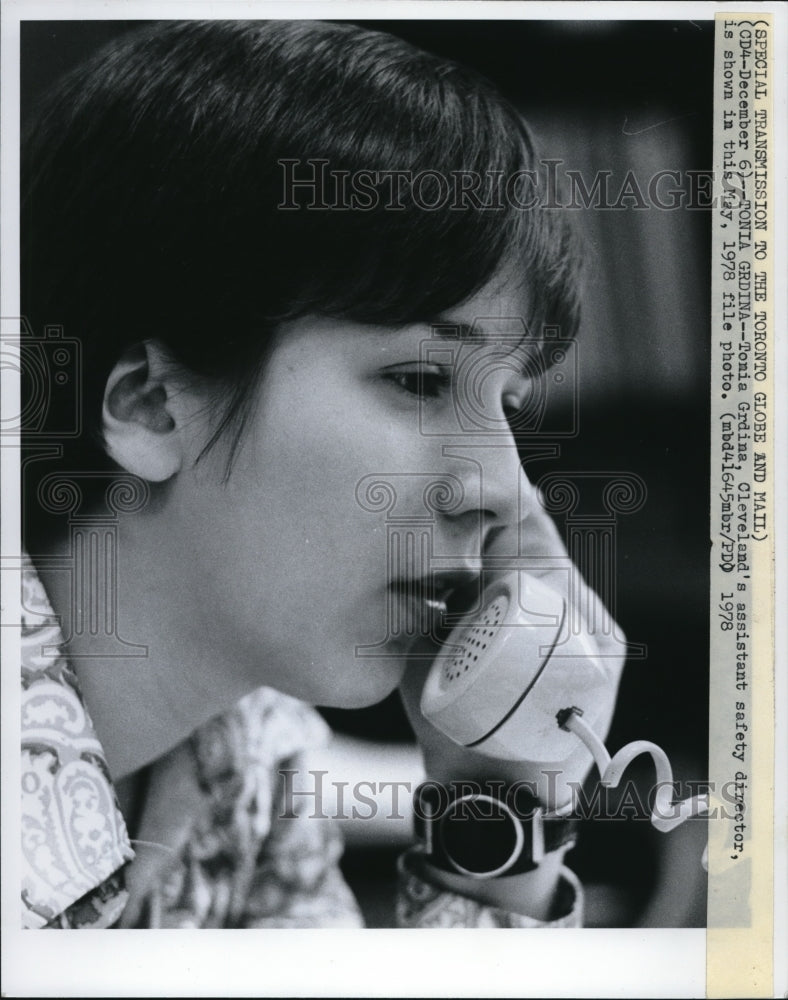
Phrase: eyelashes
(420, 383)
(433, 383)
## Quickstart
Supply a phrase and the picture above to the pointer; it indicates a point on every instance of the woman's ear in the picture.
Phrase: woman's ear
(140, 423)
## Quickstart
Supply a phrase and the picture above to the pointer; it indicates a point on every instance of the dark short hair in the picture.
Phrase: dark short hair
(152, 177)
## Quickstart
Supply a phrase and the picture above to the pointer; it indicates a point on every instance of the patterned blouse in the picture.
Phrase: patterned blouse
(215, 848)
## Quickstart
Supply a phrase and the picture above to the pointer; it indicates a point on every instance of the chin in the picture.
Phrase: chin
(374, 681)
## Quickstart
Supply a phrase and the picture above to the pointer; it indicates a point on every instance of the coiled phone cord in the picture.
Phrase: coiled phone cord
(665, 814)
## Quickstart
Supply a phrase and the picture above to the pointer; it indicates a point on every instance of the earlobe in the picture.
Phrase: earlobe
(139, 428)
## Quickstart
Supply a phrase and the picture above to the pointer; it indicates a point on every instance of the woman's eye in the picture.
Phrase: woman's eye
(425, 384)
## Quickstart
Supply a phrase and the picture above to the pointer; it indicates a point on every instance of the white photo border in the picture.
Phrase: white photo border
(359, 963)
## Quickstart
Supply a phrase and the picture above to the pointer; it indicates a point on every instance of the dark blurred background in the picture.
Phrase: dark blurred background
(602, 96)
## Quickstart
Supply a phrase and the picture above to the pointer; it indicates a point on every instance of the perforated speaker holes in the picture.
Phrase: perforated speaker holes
(474, 639)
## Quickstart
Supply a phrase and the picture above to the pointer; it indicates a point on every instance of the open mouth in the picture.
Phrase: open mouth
(432, 606)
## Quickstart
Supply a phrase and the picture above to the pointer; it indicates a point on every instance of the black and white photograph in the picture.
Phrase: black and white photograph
(357, 483)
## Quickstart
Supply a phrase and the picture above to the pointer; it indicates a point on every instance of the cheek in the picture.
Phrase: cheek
(292, 565)
(299, 517)
(290, 524)
(315, 470)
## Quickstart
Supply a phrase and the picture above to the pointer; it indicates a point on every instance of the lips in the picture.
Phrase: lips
(431, 606)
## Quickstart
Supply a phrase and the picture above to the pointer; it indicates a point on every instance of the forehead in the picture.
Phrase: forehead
(504, 296)
(498, 316)
(500, 312)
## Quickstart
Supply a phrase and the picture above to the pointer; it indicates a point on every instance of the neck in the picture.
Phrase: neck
(147, 668)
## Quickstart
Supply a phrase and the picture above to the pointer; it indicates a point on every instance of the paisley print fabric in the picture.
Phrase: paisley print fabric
(420, 904)
(73, 835)
(219, 853)
(214, 846)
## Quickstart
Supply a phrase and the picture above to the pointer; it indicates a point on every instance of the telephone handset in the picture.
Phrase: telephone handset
(514, 682)
(502, 676)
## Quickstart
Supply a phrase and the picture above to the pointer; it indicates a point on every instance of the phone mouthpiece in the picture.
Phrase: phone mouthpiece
(508, 667)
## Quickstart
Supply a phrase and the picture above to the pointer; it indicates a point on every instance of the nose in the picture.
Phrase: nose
(497, 491)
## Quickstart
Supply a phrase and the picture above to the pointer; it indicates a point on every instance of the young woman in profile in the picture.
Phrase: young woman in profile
(244, 227)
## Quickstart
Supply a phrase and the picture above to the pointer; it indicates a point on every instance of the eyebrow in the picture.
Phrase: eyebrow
(454, 330)
(448, 329)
